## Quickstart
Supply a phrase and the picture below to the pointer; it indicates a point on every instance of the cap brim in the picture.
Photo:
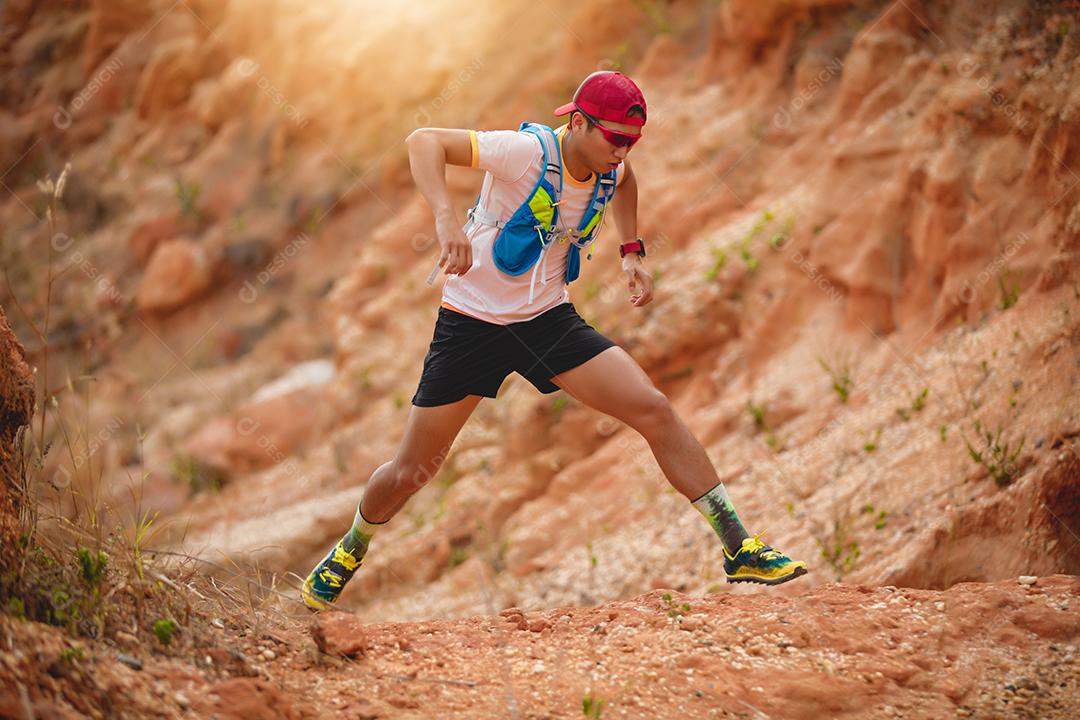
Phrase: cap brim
(566, 109)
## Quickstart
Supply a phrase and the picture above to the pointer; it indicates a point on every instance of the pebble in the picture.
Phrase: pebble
(939, 606)
(1027, 579)
(132, 662)
(182, 700)
(268, 655)
(218, 623)
(690, 623)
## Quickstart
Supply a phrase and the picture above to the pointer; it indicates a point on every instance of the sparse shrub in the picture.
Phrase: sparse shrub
(196, 475)
(838, 548)
(674, 610)
(187, 195)
(1010, 292)
(163, 630)
(92, 565)
(757, 414)
(994, 454)
(780, 238)
(719, 260)
(592, 707)
(840, 375)
(879, 522)
(592, 555)
(70, 655)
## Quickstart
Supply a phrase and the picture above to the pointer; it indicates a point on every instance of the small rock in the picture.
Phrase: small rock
(182, 700)
(218, 623)
(939, 606)
(538, 625)
(178, 272)
(1027, 579)
(340, 634)
(690, 624)
(132, 662)
(268, 655)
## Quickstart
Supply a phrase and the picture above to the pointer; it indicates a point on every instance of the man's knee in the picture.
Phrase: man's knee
(411, 476)
(652, 413)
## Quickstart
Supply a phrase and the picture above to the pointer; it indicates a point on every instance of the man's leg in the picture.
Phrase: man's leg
(429, 433)
(613, 383)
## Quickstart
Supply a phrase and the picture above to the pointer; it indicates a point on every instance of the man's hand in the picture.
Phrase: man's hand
(638, 279)
(456, 255)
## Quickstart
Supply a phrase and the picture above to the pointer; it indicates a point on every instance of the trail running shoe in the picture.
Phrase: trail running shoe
(759, 563)
(325, 583)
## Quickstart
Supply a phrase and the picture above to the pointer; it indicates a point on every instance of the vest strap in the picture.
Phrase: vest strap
(483, 217)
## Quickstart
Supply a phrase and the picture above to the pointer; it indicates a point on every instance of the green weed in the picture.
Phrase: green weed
(196, 475)
(592, 707)
(838, 548)
(1010, 292)
(996, 455)
(757, 414)
(163, 630)
(840, 375)
(719, 260)
(674, 610)
(187, 195)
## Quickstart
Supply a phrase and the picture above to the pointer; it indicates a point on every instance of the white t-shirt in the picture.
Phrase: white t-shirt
(512, 161)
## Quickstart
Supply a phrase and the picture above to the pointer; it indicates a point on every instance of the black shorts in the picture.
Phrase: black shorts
(468, 356)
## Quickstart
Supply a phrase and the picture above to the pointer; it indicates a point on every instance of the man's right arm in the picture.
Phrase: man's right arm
(430, 149)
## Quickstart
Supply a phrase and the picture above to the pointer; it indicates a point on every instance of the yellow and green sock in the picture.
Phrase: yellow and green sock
(716, 506)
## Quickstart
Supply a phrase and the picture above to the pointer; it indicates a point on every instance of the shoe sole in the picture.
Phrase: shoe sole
(798, 572)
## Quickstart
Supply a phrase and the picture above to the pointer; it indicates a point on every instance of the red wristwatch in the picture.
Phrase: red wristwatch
(637, 245)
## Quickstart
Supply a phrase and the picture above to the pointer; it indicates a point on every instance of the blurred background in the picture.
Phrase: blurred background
(863, 219)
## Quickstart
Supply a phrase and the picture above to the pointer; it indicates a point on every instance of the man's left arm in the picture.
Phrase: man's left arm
(624, 208)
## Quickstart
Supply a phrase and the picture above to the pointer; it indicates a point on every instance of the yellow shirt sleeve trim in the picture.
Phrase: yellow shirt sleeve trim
(475, 149)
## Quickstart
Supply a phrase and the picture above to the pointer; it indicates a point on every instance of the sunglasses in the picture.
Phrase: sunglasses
(616, 138)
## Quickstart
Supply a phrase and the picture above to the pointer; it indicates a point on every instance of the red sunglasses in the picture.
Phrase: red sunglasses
(616, 138)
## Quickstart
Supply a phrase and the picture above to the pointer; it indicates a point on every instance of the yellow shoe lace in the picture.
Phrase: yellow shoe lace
(345, 558)
(751, 545)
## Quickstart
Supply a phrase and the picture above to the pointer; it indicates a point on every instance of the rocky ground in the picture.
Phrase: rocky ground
(1008, 649)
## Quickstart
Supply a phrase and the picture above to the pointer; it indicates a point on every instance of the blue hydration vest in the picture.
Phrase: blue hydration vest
(530, 231)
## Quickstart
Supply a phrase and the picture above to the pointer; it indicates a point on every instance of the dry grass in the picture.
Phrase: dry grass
(91, 567)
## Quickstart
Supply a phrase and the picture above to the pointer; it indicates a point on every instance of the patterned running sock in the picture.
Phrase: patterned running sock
(716, 506)
(359, 536)
(326, 581)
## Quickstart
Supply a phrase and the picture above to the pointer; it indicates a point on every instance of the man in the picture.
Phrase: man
(492, 323)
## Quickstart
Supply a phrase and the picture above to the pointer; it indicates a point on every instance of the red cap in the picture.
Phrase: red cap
(607, 95)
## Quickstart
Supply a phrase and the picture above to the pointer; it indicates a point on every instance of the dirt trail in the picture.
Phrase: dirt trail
(979, 650)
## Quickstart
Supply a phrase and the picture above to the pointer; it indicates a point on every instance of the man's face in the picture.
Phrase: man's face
(600, 155)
